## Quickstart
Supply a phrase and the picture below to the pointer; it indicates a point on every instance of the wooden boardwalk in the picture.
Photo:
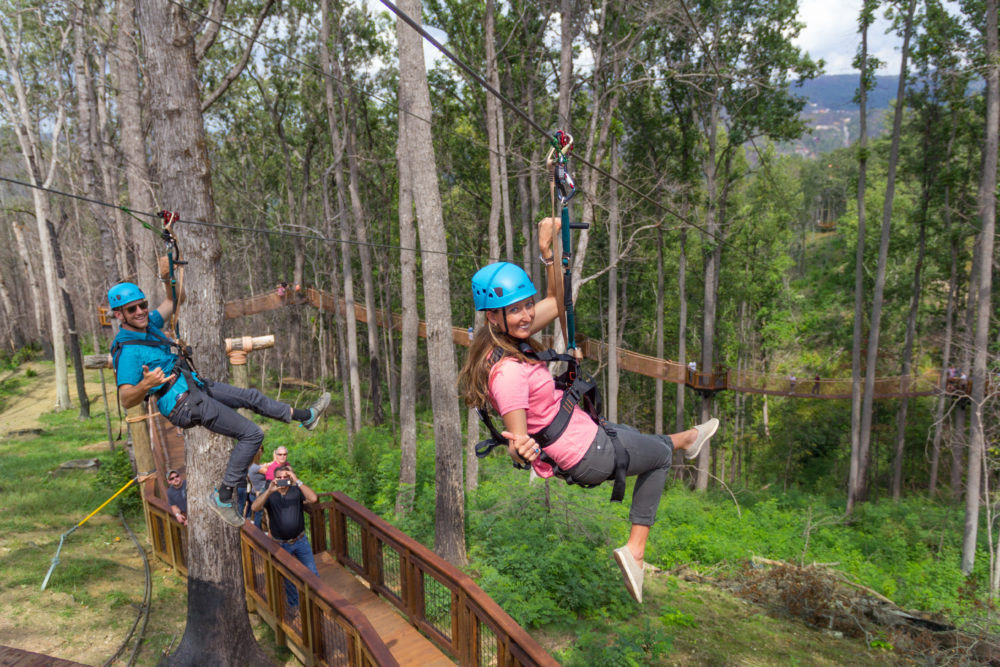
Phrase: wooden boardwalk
(15, 657)
(405, 642)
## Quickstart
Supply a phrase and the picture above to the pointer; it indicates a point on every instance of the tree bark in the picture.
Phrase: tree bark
(874, 329)
(74, 337)
(125, 69)
(449, 521)
(987, 216)
(411, 319)
(853, 481)
(218, 628)
(352, 377)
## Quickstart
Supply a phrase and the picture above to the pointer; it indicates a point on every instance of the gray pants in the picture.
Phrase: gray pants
(218, 414)
(649, 459)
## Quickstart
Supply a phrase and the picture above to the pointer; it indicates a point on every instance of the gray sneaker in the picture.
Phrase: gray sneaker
(227, 511)
(317, 408)
(631, 570)
(705, 431)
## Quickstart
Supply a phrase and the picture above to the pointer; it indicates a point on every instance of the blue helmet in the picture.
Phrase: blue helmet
(500, 284)
(124, 293)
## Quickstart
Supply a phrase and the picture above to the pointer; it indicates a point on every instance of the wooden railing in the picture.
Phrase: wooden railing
(435, 597)
(323, 629)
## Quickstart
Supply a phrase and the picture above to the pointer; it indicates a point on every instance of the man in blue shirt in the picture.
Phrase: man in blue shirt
(148, 363)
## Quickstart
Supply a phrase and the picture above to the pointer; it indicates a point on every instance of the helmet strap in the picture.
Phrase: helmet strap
(503, 312)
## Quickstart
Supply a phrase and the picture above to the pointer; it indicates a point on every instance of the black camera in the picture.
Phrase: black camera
(283, 482)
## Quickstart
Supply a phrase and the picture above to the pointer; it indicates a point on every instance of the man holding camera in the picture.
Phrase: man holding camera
(283, 500)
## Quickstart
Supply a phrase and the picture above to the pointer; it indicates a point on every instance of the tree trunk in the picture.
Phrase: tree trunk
(854, 482)
(987, 213)
(368, 281)
(352, 377)
(125, 68)
(218, 628)
(31, 277)
(449, 521)
(658, 383)
(874, 329)
(29, 141)
(87, 142)
(613, 375)
(946, 361)
(710, 273)
(499, 197)
(411, 319)
(682, 309)
(74, 337)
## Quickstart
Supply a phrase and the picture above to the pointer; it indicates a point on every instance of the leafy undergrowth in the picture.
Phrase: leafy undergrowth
(541, 550)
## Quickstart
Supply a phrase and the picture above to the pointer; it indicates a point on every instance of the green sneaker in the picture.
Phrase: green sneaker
(227, 511)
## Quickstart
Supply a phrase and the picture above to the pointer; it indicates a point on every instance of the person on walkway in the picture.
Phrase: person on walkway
(283, 500)
(501, 373)
(177, 496)
(148, 363)
(278, 458)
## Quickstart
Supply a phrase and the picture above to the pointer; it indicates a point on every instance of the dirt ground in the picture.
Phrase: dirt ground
(39, 396)
(85, 619)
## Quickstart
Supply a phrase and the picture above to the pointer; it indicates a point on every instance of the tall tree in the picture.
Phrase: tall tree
(218, 629)
(867, 66)
(28, 117)
(987, 222)
(875, 321)
(449, 517)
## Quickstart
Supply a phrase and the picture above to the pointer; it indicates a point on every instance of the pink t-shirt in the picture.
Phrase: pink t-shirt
(517, 385)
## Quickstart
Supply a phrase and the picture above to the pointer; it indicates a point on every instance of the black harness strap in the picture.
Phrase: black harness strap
(183, 367)
(578, 390)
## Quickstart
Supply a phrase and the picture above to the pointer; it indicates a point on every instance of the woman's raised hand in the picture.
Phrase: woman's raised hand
(547, 228)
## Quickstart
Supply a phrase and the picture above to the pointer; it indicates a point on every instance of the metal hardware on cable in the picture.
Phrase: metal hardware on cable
(560, 179)
(167, 234)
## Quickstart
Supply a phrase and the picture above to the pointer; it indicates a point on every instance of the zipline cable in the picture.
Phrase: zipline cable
(482, 82)
(532, 123)
(250, 230)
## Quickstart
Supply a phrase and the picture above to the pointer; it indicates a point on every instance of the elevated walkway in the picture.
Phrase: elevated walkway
(381, 597)
(754, 382)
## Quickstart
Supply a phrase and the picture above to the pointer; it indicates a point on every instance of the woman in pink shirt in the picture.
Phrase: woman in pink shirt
(498, 374)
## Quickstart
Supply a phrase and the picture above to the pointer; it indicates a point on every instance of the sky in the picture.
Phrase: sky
(831, 33)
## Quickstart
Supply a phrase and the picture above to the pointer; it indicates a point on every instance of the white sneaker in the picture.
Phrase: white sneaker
(631, 570)
(705, 431)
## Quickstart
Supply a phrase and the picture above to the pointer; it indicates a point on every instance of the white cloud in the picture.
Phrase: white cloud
(831, 33)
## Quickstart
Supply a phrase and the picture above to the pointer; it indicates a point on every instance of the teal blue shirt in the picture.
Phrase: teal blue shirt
(134, 357)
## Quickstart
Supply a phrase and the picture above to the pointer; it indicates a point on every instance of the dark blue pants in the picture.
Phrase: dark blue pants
(302, 550)
(245, 500)
(217, 412)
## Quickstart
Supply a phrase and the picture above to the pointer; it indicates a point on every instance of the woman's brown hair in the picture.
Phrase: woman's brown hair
(473, 379)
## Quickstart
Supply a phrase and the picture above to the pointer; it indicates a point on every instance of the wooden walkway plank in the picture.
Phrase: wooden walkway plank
(15, 657)
(405, 642)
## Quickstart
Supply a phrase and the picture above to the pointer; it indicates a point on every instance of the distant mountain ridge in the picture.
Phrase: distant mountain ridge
(836, 91)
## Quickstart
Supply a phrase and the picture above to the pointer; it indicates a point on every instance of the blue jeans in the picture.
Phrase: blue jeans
(244, 502)
(302, 550)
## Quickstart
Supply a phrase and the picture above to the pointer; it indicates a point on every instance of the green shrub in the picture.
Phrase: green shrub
(630, 645)
(115, 471)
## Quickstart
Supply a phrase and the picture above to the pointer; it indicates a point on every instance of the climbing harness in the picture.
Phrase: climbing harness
(185, 363)
(578, 388)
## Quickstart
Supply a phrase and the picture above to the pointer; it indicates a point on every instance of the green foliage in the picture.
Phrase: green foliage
(630, 645)
(115, 471)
